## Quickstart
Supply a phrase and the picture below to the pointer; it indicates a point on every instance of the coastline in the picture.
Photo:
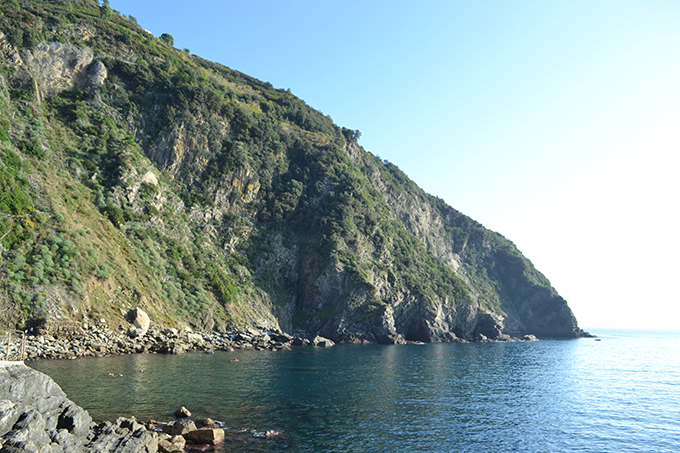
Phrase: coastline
(100, 341)
(36, 415)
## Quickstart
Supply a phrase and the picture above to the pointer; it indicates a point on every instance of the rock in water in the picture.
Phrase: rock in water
(172, 444)
(181, 427)
(182, 412)
(212, 436)
(323, 342)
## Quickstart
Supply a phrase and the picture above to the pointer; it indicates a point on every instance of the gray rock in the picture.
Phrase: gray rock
(58, 67)
(174, 444)
(182, 412)
(212, 436)
(96, 75)
(181, 427)
(36, 416)
(8, 415)
(322, 342)
(75, 420)
(140, 322)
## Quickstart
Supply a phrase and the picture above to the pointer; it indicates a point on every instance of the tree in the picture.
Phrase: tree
(105, 10)
(350, 135)
(169, 40)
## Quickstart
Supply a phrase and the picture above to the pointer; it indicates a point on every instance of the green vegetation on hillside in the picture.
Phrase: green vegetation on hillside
(204, 195)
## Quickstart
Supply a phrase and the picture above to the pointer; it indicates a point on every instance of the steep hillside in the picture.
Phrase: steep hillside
(136, 174)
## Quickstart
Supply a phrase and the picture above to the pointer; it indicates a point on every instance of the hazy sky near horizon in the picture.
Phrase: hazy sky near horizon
(556, 124)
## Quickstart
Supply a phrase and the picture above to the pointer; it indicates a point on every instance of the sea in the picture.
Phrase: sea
(619, 392)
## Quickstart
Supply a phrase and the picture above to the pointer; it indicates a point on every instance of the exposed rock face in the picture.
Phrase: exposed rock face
(9, 53)
(35, 415)
(58, 67)
(96, 75)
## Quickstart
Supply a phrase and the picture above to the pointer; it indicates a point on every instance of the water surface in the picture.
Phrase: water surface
(620, 394)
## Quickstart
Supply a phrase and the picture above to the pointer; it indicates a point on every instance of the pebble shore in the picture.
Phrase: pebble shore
(100, 341)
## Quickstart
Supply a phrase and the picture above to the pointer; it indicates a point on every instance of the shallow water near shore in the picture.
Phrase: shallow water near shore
(620, 394)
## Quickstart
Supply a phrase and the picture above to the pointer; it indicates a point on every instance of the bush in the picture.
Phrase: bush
(168, 39)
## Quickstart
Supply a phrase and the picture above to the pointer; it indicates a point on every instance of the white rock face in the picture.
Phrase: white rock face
(58, 67)
(150, 178)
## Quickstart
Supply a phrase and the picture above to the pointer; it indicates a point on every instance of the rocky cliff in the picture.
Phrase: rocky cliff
(138, 175)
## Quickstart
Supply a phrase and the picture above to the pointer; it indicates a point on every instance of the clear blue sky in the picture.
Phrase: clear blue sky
(555, 123)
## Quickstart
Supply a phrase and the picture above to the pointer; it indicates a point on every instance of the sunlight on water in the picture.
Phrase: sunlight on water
(620, 394)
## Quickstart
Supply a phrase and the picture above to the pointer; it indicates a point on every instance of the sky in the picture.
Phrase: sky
(556, 124)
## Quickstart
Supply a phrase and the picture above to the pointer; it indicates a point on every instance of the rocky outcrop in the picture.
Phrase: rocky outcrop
(58, 67)
(8, 53)
(36, 416)
(96, 75)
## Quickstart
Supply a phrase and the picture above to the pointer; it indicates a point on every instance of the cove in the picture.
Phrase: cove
(551, 395)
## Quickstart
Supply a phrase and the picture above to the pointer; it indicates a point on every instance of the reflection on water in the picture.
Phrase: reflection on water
(546, 396)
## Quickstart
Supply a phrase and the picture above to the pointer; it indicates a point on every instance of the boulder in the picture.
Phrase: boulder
(323, 342)
(299, 341)
(181, 427)
(281, 337)
(174, 444)
(212, 436)
(74, 419)
(122, 436)
(182, 412)
(207, 423)
(140, 322)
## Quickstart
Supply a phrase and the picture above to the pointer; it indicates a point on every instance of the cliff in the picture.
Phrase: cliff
(135, 174)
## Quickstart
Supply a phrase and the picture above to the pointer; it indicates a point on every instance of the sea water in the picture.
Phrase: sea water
(618, 394)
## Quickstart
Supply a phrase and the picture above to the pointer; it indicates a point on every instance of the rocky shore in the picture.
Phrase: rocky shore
(100, 341)
(70, 340)
(73, 340)
(36, 416)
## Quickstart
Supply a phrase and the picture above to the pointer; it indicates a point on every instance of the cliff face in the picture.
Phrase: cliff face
(139, 175)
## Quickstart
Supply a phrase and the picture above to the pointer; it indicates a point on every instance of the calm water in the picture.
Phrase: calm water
(620, 394)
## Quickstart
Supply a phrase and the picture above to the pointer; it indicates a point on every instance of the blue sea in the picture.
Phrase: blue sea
(619, 393)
